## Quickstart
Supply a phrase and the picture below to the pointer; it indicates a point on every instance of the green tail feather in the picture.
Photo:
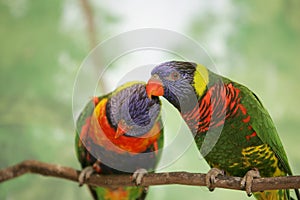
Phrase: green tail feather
(273, 195)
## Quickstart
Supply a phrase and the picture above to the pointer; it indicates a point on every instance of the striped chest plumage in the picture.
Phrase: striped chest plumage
(238, 148)
(218, 104)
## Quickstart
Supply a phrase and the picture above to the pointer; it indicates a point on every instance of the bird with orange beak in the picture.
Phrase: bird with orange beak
(118, 133)
(231, 127)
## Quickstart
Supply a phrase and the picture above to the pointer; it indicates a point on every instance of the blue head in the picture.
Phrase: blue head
(131, 111)
(175, 81)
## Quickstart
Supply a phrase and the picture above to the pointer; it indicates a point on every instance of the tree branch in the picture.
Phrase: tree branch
(87, 10)
(92, 37)
(183, 178)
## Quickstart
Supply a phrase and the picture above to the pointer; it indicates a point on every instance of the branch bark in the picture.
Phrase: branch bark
(183, 178)
(92, 37)
(87, 10)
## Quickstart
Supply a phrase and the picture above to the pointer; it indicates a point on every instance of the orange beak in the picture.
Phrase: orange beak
(121, 130)
(154, 87)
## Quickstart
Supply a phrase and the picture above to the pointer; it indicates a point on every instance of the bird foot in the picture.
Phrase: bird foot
(211, 177)
(138, 175)
(85, 174)
(247, 180)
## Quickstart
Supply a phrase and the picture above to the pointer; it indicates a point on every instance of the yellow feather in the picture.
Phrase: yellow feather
(271, 195)
(127, 85)
(268, 154)
(234, 165)
(201, 79)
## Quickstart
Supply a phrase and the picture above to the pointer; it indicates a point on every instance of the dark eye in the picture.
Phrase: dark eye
(174, 76)
(185, 75)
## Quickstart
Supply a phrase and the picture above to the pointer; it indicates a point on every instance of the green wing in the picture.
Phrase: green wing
(264, 125)
(82, 155)
(81, 152)
(82, 120)
(160, 141)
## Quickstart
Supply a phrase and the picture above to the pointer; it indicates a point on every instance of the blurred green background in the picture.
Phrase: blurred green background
(43, 44)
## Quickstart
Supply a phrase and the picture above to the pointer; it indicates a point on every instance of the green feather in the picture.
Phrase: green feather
(82, 153)
(264, 125)
(246, 139)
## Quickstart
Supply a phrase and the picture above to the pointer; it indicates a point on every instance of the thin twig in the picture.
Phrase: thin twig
(87, 10)
(183, 178)
(92, 37)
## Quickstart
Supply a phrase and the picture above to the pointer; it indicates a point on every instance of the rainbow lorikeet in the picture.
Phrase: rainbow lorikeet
(225, 113)
(118, 133)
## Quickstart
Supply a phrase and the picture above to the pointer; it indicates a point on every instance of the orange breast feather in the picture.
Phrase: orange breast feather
(103, 134)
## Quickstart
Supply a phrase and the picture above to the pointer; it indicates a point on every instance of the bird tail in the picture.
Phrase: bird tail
(104, 193)
(297, 194)
(274, 195)
(93, 192)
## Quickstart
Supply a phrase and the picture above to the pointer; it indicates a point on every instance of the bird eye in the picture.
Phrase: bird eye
(185, 75)
(174, 76)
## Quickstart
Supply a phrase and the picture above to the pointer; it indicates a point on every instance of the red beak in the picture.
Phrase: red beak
(121, 130)
(154, 87)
